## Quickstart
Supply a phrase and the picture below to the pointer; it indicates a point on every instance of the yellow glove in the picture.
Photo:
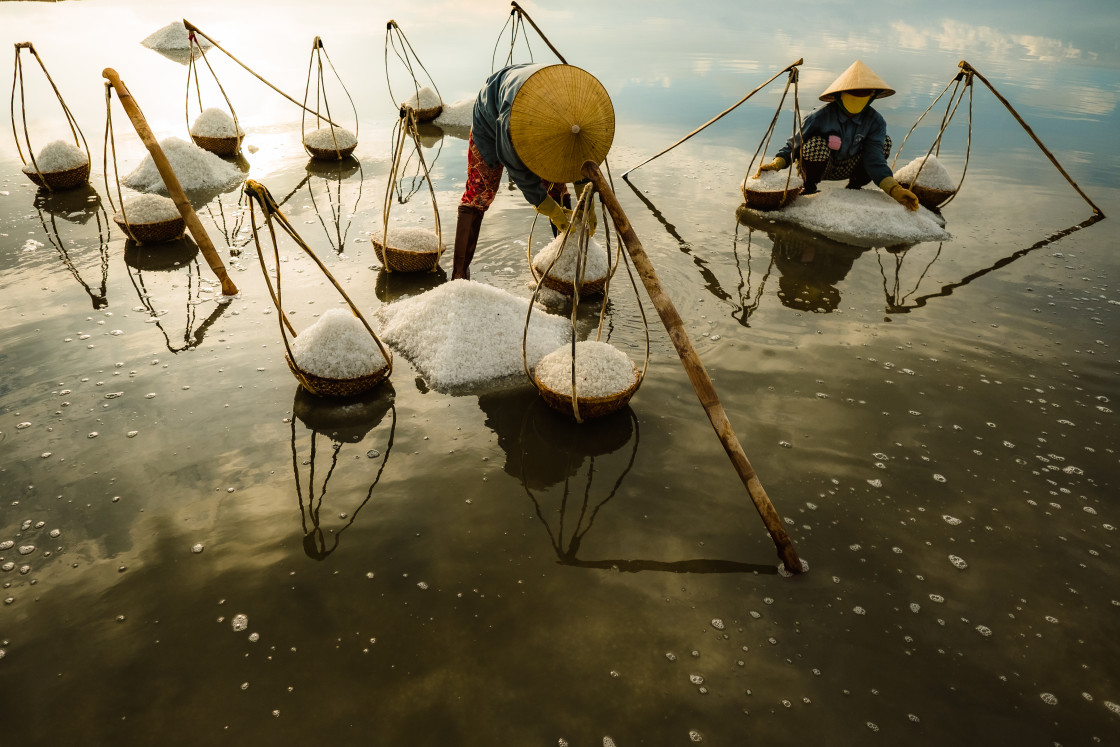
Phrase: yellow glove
(560, 217)
(777, 164)
(899, 193)
(592, 220)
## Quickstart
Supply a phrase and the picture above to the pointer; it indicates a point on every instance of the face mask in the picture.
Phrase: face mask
(853, 104)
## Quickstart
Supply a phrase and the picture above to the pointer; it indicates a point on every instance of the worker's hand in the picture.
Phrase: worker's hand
(904, 197)
(777, 164)
(560, 217)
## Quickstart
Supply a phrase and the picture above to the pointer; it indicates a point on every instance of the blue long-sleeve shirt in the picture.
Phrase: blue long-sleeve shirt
(860, 134)
(490, 125)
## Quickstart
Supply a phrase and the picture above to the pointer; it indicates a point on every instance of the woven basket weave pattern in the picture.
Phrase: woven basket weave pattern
(589, 407)
(219, 146)
(154, 233)
(399, 260)
(326, 387)
(68, 179)
(769, 200)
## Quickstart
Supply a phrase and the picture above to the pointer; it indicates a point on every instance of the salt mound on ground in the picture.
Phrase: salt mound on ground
(465, 332)
(173, 36)
(195, 168)
(148, 209)
(418, 240)
(425, 98)
(57, 156)
(933, 176)
(862, 217)
(214, 122)
(774, 181)
(322, 139)
(337, 346)
(602, 370)
(459, 115)
(565, 267)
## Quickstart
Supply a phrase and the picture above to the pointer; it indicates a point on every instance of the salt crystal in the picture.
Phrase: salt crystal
(933, 176)
(465, 332)
(425, 98)
(459, 115)
(337, 346)
(419, 240)
(322, 139)
(172, 36)
(143, 209)
(195, 168)
(601, 369)
(214, 122)
(57, 156)
(565, 268)
(774, 181)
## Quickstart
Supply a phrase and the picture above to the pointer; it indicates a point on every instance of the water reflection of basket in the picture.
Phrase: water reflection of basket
(219, 146)
(589, 407)
(327, 387)
(760, 200)
(402, 260)
(929, 197)
(66, 179)
(155, 232)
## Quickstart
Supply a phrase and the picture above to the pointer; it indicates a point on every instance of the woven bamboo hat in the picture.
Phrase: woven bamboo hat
(560, 118)
(857, 77)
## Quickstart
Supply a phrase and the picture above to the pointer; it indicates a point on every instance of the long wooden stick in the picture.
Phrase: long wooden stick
(194, 225)
(970, 69)
(697, 374)
(718, 117)
(521, 11)
(191, 27)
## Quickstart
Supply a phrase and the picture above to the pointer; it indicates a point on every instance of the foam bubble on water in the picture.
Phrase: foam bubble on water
(7, 544)
(608, 742)
(1114, 707)
(21, 426)
(859, 610)
(240, 622)
(55, 533)
(717, 623)
(984, 630)
(875, 483)
(695, 736)
(26, 549)
(951, 520)
(939, 478)
(1048, 698)
(696, 679)
(937, 598)
(197, 548)
(670, 656)
(958, 562)
(872, 726)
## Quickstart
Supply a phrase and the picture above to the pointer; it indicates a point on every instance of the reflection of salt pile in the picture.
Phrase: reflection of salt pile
(57, 156)
(418, 240)
(933, 176)
(323, 139)
(774, 181)
(215, 123)
(601, 370)
(148, 209)
(465, 332)
(425, 98)
(565, 267)
(337, 346)
(195, 168)
(459, 115)
(173, 36)
(863, 217)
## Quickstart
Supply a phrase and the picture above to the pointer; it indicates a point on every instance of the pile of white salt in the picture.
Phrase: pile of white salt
(595, 264)
(933, 174)
(602, 370)
(425, 98)
(143, 209)
(457, 116)
(337, 346)
(418, 240)
(215, 122)
(195, 168)
(173, 36)
(57, 156)
(774, 181)
(465, 332)
(330, 138)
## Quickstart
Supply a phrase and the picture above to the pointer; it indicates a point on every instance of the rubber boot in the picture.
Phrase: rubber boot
(811, 173)
(466, 238)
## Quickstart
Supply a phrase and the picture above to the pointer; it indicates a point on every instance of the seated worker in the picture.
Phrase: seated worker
(491, 147)
(846, 139)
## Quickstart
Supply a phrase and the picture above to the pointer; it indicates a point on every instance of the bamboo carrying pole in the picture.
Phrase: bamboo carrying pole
(521, 11)
(194, 225)
(970, 69)
(718, 117)
(697, 374)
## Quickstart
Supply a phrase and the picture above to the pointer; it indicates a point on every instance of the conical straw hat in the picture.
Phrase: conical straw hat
(856, 77)
(560, 118)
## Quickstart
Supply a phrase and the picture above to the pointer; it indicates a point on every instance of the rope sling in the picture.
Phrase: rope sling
(769, 200)
(50, 228)
(395, 258)
(336, 151)
(219, 145)
(396, 40)
(50, 180)
(323, 386)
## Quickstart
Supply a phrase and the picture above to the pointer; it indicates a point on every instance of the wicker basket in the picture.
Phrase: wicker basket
(330, 154)
(68, 179)
(427, 114)
(586, 290)
(219, 146)
(326, 387)
(401, 260)
(589, 407)
(153, 233)
(930, 198)
(769, 200)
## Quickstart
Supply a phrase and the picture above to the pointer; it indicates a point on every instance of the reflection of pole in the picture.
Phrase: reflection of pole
(171, 182)
(970, 69)
(521, 12)
(694, 367)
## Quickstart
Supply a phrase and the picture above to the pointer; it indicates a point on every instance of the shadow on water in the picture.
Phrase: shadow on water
(77, 206)
(585, 466)
(343, 421)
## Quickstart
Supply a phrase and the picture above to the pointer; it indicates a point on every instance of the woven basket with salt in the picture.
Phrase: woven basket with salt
(770, 191)
(150, 219)
(605, 379)
(59, 165)
(330, 143)
(928, 179)
(425, 104)
(407, 249)
(560, 276)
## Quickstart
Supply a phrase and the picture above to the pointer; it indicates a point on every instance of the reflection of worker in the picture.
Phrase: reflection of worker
(846, 139)
(529, 118)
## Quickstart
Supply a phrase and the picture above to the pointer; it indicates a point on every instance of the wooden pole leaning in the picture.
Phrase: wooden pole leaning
(697, 374)
(970, 69)
(717, 117)
(521, 12)
(174, 189)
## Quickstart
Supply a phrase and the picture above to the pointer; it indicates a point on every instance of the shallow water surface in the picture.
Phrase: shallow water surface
(195, 550)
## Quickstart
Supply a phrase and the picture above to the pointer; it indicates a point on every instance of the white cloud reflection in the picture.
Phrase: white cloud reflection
(962, 38)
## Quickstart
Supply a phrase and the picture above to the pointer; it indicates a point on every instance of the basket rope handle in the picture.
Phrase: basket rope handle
(192, 66)
(110, 145)
(318, 52)
(764, 144)
(406, 54)
(407, 127)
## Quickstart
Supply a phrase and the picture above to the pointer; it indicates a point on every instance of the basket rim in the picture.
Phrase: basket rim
(317, 384)
(584, 399)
